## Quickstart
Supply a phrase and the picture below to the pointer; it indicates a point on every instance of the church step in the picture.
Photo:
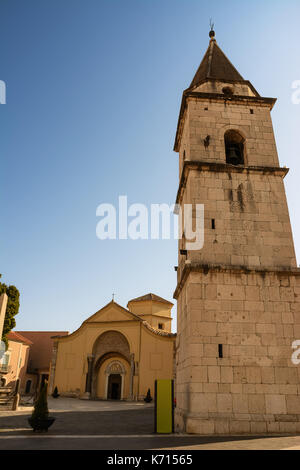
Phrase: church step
(6, 406)
(6, 401)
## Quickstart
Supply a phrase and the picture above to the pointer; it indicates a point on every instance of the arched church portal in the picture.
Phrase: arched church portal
(112, 367)
(115, 377)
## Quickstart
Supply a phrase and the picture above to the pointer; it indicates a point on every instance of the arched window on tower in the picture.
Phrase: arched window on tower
(234, 147)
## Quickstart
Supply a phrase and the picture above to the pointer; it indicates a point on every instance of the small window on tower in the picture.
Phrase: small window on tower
(234, 147)
(184, 155)
(160, 326)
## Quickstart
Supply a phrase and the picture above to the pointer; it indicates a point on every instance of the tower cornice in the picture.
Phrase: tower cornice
(225, 168)
(206, 268)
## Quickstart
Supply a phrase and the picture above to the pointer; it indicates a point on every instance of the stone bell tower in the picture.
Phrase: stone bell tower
(239, 296)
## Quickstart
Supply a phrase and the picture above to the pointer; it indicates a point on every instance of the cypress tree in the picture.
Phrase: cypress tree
(40, 411)
(13, 304)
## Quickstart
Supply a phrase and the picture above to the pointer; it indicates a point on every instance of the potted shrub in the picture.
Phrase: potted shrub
(55, 394)
(148, 398)
(40, 420)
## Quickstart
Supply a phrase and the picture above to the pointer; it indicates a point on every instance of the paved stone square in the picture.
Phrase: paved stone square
(116, 426)
(84, 417)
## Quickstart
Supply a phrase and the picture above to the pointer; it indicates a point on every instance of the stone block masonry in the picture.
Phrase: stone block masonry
(254, 387)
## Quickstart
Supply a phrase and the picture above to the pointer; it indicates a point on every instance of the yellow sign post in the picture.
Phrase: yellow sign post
(164, 406)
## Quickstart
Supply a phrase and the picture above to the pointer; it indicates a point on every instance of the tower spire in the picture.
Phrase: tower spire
(215, 65)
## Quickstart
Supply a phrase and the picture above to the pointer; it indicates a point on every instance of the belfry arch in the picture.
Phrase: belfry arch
(234, 147)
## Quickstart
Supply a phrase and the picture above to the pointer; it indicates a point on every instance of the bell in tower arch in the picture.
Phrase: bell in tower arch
(234, 147)
(234, 156)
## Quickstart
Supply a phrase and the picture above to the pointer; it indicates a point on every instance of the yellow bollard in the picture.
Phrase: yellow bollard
(164, 406)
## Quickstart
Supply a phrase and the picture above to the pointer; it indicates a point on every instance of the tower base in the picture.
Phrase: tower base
(237, 425)
(236, 371)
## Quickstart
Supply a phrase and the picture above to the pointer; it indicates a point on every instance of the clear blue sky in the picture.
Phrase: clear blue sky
(93, 94)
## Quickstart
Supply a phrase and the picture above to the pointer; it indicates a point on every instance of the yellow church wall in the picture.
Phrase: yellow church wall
(150, 308)
(70, 364)
(167, 322)
(158, 309)
(156, 360)
(153, 312)
(140, 307)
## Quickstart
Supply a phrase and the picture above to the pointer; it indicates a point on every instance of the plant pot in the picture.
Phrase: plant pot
(41, 425)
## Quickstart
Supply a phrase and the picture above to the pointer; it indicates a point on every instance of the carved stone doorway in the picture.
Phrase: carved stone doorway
(114, 387)
(115, 375)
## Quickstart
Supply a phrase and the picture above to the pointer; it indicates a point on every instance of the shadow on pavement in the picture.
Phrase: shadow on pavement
(124, 422)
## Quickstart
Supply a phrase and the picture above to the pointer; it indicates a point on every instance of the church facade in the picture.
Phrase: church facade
(117, 353)
(239, 297)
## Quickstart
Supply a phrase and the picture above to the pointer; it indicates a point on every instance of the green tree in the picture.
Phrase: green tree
(13, 304)
(40, 411)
